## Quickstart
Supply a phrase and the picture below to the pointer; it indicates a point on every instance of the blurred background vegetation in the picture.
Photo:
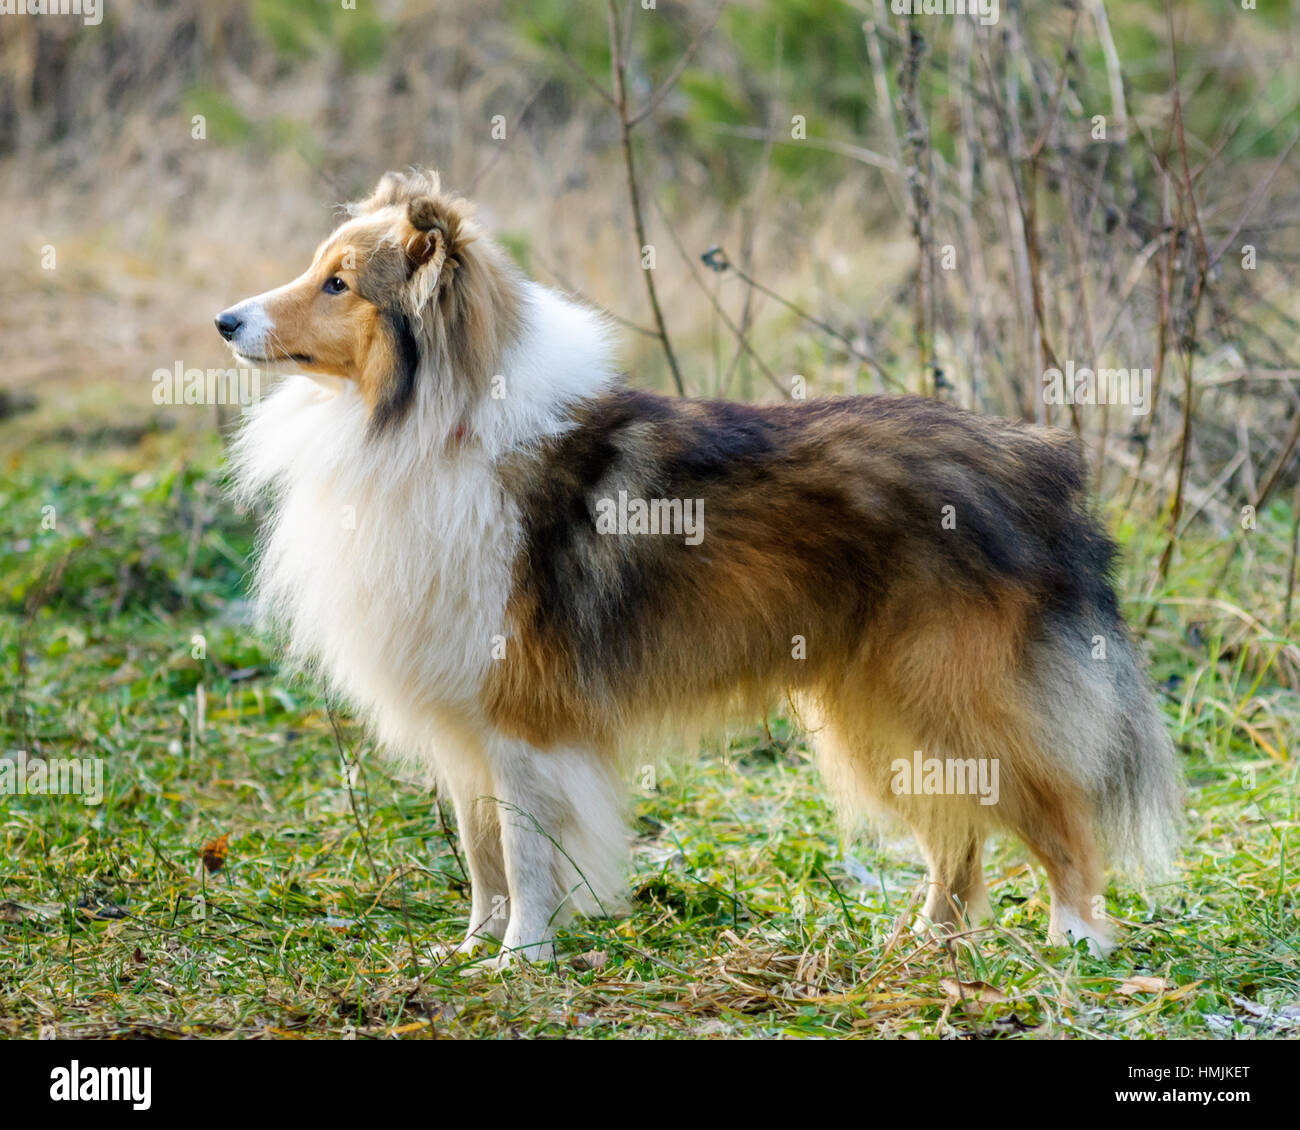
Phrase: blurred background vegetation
(921, 204)
(303, 103)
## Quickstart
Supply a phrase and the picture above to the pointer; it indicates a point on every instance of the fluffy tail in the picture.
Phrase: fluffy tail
(1100, 718)
(1139, 799)
(1102, 715)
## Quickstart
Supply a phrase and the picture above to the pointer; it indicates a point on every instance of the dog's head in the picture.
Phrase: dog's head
(395, 284)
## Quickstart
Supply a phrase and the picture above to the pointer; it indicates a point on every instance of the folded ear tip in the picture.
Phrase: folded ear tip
(423, 213)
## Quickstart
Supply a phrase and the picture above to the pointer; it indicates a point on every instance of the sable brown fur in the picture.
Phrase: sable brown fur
(824, 522)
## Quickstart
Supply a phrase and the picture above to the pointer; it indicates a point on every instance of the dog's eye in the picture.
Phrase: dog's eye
(334, 285)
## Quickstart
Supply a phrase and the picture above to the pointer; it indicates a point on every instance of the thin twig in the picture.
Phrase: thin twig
(510, 133)
(1188, 337)
(741, 337)
(718, 259)
(618, 67)
(348, 764)
(659, 95)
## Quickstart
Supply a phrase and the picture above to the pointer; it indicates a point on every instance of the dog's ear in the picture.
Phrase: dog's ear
(429, 231)
(434, 245)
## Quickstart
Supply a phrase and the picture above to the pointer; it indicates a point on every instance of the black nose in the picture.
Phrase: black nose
(228, 324)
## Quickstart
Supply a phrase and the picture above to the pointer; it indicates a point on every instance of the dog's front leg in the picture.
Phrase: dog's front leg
(559, 813)
(531, 809)
(477, 819)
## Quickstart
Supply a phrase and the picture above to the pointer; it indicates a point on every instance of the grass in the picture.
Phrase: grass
(752, 915)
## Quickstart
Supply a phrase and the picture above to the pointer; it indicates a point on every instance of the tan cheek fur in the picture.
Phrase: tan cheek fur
(340, 333)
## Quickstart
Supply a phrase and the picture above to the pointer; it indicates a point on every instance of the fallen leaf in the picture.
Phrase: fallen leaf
(1140, 984)
(11, 911)
(977, 992)
(215, 852)
(99, 909)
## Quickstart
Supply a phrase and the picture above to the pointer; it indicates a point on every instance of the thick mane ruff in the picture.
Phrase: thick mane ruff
(385, 556)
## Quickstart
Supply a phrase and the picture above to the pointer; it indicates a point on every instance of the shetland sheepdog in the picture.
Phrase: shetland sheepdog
(474, 533)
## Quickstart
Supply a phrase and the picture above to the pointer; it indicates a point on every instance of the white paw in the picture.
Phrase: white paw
(489, 965)
(470, 946)
(534, 953)
(537, 953)
(1068, 927)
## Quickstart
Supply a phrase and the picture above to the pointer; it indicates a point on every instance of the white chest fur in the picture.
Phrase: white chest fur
(386, 565)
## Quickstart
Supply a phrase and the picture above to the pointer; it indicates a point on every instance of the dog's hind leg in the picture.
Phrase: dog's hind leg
(1037, 797)
(1052, 816)
(954, 857)
(963, 678)
(857, 748)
